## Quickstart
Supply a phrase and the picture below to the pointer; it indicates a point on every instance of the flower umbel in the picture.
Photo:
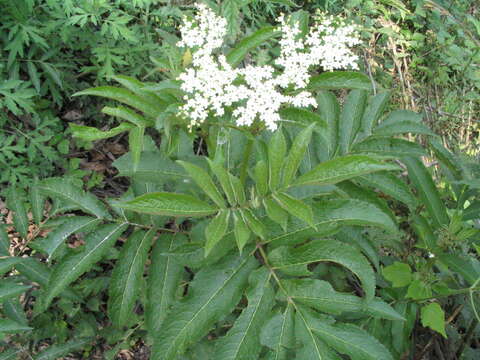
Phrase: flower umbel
(258, 92)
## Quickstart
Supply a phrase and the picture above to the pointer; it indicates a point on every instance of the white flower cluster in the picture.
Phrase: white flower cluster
(211, 84)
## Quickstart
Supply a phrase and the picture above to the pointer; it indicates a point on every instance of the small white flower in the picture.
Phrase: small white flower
(256, 92)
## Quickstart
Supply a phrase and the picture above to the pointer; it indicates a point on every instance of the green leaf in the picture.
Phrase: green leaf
(295, 207)
(9, 326)
(34, 270)
(391, 185)
(331, 212)
(60, 188)
(278, 335)
(348, 339)
(304, 117)
(350, 119)
(57, 237)
(241, 230)
(135, 144)
(162, 282)
(223, 177)
(321, 296)
(399, 274)
(460, 264)
(296, 154)
(295, 260)
(37, 201)
(276, 212)
(169, 204)
(343, 168)
(336, 80)
(60, 350)
(4, 241)
(238, 53)
(152, 167)
(277, 149)
(312, 347)
(402, 128)
(329, 109)
(89, 133)
(216, 229)
(128, 114)
(7, 264)
(147, 106)
(432, 316)
(16, 204)
(388, 147)
(418, 290)
(13, 309)
(125, 282)
(253, 223)
(204, 181)
(10, 354)
(217, 290)
(243, 339)
(75, 264)
(238, 190)
(373, 112)
(398, 116)
(9, 289)
(425, 186)
(261, 177)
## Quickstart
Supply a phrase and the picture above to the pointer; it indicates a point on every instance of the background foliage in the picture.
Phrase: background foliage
(74, 249)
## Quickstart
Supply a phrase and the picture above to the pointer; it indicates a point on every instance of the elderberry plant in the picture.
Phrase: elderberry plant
(252, 190)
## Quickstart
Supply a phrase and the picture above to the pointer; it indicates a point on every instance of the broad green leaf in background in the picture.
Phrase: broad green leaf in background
(433, 316)
(342, 168)
(243, 339)
(204, 181)
(427, 191)
(125, 282)
(399, 274)
(253, 223)
(329, 109)
(63, 189)
(295, 260)
(340, 80)
(163, 280)
(169, 204)
(217, 289)
(75, 264)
